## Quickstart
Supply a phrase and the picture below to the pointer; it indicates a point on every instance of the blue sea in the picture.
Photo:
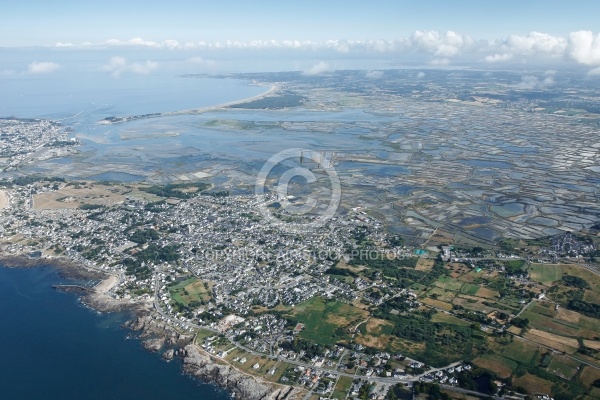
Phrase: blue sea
(55, 348)
(81, 86)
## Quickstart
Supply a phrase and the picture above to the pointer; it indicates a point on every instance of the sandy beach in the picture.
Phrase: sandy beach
(3, 199)
(107, 284)
(201, 110)
(118, 120)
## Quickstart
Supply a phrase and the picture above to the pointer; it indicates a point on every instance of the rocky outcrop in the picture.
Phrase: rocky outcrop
(168, 355)
(152, 328)
(105, 303)
(154, 345)
(244, 386)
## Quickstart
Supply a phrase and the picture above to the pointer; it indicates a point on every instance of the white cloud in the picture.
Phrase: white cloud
(440, 61)
(118, 65)
(536, 43)
(548, 77)
(42, 67)
(143, 68)
(595, 71)
(442, 45)
(548, 81)
(529, 82)
(317, 69)
(498, 57)
(584, 47)
(202, 61)
(374, 74)
(167, 44)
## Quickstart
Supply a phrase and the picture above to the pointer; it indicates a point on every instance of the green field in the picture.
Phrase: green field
(564, 366)
(520, 352)
(202, 334)
(546, 309)
(188, 291)
(448, 283)
(552, 325)
(327, 321)
(501, 366)
(545, 273)
(470, 289)
(342, 387)
(441, 294)
(514, 265)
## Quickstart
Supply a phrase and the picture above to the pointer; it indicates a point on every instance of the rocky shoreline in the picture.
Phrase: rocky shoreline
(198, 364)
(65, 266)
(156, 336)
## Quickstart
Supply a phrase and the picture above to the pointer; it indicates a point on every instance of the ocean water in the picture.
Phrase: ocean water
(88, 98)
(54, 348)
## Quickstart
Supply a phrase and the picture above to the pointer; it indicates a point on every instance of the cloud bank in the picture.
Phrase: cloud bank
(203, 62)
(584, 47)
(317, 69)
(42, 67)
(119, 65)
(442, 48)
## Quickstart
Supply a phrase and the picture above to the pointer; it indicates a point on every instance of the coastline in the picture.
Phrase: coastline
(155, 335)
(272, 89)
(193, 111)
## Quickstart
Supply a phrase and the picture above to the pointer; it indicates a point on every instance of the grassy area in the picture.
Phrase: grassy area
(563, 366)
(543, 308)
(560, 343)
(343, 386)
(556, 325)
(533, 384)
(514, 265)
(441, 294)
(545, 273)
(470, 289)
(424, 264)
(501, 366)
(589, 375)
(447, 283)
(280, 368)
(594, 394)
(441, 304)
(327, 321)
(375, 333)
(189, 290)
(520, 351)
(202, 334)
(592, 296)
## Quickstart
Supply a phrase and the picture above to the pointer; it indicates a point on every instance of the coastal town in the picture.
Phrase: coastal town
(458, 266)
(26, 141)
(253, 297)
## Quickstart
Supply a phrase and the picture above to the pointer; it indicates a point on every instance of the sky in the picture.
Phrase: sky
(434, 32)
(40, 22)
